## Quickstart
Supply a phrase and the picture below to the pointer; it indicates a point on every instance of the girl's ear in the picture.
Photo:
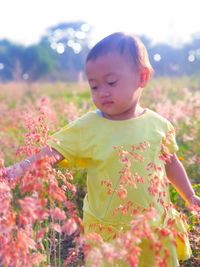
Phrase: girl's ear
(144, 76)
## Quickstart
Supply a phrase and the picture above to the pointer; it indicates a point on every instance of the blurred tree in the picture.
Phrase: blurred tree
(36, 62)
(61, 53)
(192, 55)
(10, 61)
(166, 60)
(20, 63)
(71, 42)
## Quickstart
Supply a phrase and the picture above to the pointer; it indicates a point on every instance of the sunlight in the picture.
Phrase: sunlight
(58, 34)
(85, 27)
(53, 45)
(70, 43)
(1, 66)
(77, 48)
(25, 76)
(175, 24)
(191, 58)
(157, 57)
(80, 35)
(60, 48)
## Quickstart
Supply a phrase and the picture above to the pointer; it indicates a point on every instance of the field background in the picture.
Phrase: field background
(177, 99)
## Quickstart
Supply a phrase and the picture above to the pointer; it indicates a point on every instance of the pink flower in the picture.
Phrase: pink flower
(57, 214)
(69, 227)
(122, 192)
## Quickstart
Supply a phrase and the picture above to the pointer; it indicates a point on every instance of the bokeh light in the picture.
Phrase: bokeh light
(1, 66)
(60, 48)
(157, 57)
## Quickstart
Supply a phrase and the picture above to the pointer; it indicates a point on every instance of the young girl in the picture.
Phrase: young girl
(118, 70)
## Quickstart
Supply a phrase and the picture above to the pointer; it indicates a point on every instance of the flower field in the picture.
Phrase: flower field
(41, 212)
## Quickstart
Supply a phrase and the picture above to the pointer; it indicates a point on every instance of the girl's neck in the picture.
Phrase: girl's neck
(128, 114)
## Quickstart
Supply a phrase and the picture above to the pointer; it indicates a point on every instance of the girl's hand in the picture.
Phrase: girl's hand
(194, 200)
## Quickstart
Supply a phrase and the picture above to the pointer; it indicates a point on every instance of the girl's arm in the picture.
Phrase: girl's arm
(20, 168)
(178, 177)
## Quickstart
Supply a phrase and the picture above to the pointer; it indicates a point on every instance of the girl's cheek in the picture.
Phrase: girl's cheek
(94, 100)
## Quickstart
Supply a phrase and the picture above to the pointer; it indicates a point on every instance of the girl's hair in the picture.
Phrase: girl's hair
(129, 46)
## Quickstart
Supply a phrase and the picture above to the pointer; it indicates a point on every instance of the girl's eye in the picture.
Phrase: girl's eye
(94, 87)
(112, 83)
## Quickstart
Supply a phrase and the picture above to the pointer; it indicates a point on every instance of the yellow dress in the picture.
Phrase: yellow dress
(94, 142)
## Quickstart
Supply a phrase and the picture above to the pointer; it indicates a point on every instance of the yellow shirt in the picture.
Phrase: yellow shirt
(89, 143)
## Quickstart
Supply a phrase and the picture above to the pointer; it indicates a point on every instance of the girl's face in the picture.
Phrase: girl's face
(115, 86)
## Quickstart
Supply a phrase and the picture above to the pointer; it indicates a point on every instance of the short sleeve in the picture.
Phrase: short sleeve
(67, 142)
(169, 141)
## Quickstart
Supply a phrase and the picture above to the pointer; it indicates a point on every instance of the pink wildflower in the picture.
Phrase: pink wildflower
(122, 192)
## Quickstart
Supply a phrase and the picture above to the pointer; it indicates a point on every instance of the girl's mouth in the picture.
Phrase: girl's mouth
(107, 103)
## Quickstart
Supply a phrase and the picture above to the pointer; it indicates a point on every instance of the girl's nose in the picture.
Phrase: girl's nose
(104, 92)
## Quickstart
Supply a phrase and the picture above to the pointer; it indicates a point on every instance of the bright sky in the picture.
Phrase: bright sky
(172, 21)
